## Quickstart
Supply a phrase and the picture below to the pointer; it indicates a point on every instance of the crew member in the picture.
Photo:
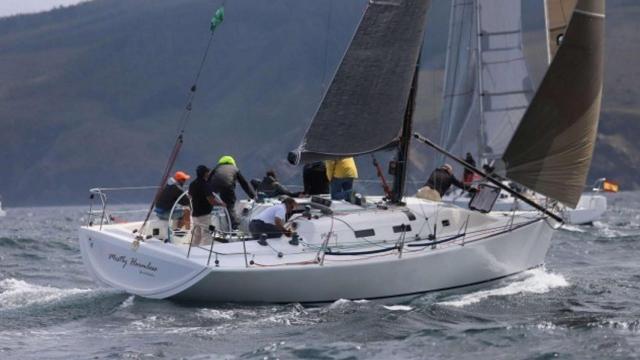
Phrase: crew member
(223, 180)
(442, 178)
(271, 187)
(341, 173)
(202, 199)
(271, 220)
(314, 178)
(468, 175)
(169, 196)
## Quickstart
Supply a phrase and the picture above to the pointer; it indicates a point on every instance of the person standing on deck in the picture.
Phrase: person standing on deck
(223, 180)
(341, 173)
(203, 199)
(314, 178)
(468, 175)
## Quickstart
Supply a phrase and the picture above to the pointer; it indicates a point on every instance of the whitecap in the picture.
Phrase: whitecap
(398, 307)
(573, 228)
(128, 302)
(537, 281)
(339, 303)
(17, 293)
(216, 314)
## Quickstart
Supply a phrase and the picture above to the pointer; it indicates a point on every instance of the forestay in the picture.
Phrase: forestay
(551, 150)
(363, 108)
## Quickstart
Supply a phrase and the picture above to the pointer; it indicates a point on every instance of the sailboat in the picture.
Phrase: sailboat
(488, 89)
(383, 248)
(2, 212)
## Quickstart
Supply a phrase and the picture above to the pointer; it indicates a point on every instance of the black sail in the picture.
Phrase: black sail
(363, 108)
(552, 148)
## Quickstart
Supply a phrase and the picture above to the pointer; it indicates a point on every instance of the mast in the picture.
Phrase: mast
(482, 135)
(402, 159)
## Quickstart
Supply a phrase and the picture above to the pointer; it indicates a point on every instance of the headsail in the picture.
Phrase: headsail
(460, 104)
(487, 86)
(505, 87)
(557, 16)
(551, 151)
(363, 109)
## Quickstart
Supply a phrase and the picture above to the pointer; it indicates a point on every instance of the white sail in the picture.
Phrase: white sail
(487, 85)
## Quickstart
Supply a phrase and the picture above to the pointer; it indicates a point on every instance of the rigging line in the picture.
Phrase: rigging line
(219, 16)
(194, 87)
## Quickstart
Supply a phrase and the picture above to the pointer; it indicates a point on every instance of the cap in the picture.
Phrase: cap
(448, 167)
(227, 159)
(201, 170)
(181, 176)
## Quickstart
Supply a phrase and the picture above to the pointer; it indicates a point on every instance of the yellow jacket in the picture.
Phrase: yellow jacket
(344, 168)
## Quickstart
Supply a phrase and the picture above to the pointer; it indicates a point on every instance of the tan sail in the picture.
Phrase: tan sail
(557, 16)
(552, 148)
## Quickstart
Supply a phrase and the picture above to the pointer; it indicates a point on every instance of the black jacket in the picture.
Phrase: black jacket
(169, 195)
(314, 177)
(440, 180)
(272, 188)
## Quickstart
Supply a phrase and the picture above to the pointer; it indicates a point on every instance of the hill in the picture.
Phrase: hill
(91, 94)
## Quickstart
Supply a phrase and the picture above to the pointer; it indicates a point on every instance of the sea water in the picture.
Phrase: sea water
(583, 304)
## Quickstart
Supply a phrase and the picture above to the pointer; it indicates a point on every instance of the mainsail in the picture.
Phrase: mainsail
(364, 107)
(487, 85)
(557, 16)
(551, 151)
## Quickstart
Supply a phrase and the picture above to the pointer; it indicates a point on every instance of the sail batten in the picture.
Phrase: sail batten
(552, 148)
(364, 107)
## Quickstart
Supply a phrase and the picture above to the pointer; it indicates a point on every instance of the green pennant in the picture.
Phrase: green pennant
(217, 19)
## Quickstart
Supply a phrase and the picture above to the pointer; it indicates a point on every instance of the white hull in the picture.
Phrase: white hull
(2, 212)
(163, 270)
(590, 208)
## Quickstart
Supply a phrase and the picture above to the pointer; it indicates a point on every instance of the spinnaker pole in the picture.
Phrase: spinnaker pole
(487, 177)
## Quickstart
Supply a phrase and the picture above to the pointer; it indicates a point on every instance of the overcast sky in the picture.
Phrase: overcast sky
(13, 7)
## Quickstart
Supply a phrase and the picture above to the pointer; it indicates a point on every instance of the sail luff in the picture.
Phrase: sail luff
(487, 86)
(552, 148)
(363, 108)
(460, 89)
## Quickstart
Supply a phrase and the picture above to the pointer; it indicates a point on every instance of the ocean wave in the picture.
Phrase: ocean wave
(536, 281)
(573, 228)
(16, 293)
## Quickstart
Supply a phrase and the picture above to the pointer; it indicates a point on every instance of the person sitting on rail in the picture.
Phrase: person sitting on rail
(271, 220)
(169, 195)
(439, 183)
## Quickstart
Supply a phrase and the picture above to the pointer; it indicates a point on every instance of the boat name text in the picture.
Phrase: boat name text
(125, 261)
